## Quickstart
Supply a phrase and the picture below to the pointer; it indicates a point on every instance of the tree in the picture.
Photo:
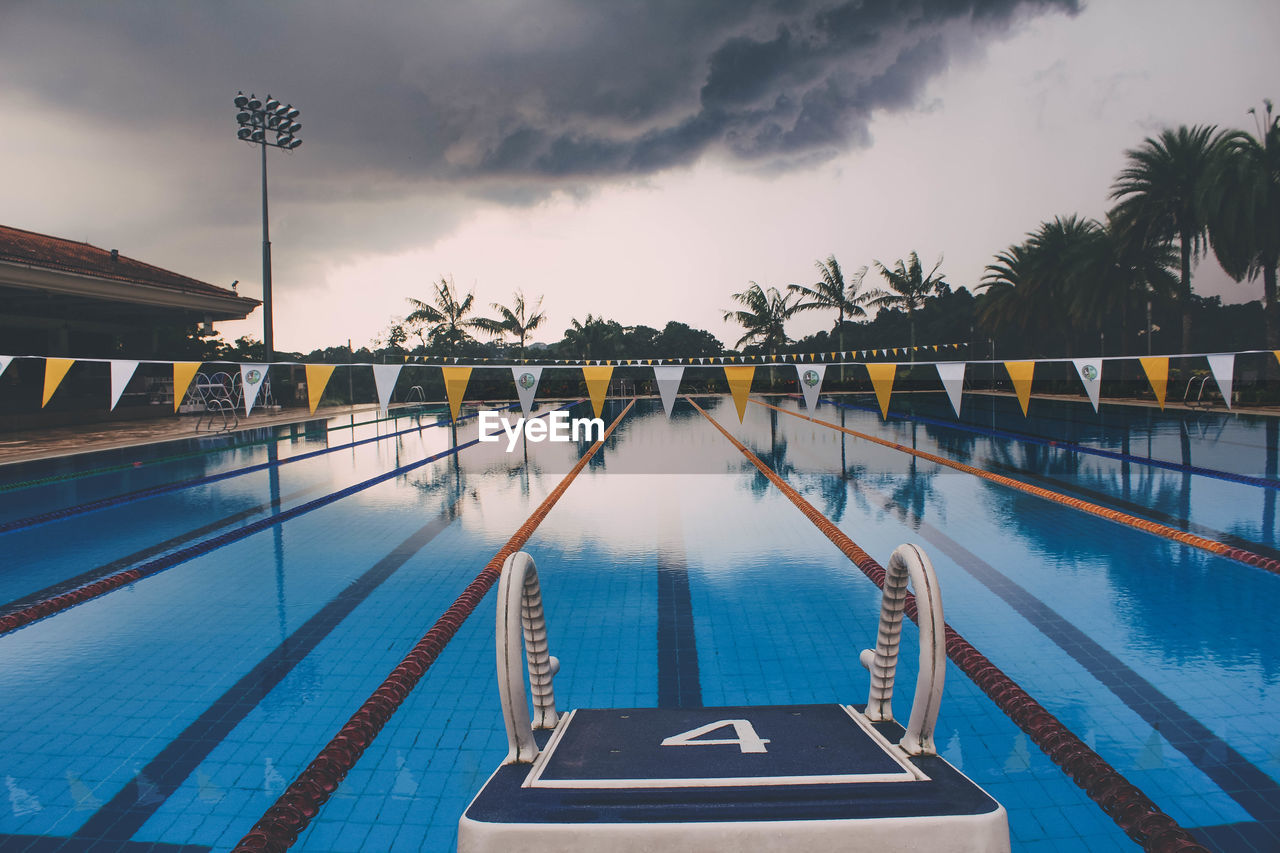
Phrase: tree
(1115, 273)
(1244, 222)
(832, 294)
(594, 337)
(679, 340)
(1075, 269)
(444, 322)
(763, 321)
(1165, 193)
(518, 320)
(909, 289)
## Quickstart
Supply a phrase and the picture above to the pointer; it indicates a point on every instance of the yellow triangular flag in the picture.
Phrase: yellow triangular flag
(183, 373)
(54, 370)
(597, 385)
(740, 386)
(1021, 372)
(1157, 370)
(317, 378)
(935, 347)
(1277, 352)
(455, 386)
(882, 380)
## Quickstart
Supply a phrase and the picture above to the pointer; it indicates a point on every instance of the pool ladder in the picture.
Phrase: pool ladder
(521, 618)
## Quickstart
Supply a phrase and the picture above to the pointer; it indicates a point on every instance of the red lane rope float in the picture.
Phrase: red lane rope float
(279, 827)
(1181, 536)
(1133, 811)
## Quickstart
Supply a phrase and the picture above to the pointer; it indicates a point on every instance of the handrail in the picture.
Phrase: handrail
(909, 562)
(520, 617)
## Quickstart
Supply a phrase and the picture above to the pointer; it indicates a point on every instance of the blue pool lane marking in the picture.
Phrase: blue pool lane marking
(178, 557)
(128, 810)
(122, 563)
(1263, 482)
(167, 488)
(1251, 788)
(678, 681)
(1135, 509)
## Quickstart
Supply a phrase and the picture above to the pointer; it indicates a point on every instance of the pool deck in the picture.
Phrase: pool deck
(32, 444)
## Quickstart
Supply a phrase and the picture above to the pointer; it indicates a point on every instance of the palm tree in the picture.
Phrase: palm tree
(767, 312)
(1165, 192)
(444, 322)
(1073, 269)
(1114, 272)
(517, 321)
(1244, 226)
(1011, 292)
(594, 337)
(832, 293)
(909, 289)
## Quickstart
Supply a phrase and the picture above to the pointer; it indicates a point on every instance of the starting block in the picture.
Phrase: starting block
(750, 778)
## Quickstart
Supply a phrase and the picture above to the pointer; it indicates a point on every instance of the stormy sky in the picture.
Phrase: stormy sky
(637, 160)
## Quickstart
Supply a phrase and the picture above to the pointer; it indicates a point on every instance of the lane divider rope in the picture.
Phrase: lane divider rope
(167, 488)
(279, 827)
(1172, 533)
(49, 606)
(1071, 446)
(1132, 810)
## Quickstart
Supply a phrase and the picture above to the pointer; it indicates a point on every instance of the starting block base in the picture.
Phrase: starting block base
(761, 779)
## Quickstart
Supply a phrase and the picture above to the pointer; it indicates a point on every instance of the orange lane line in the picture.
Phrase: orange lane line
(1131, 809)
(1211, 545)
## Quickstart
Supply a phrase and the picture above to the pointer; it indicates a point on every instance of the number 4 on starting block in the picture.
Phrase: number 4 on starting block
(747, 740)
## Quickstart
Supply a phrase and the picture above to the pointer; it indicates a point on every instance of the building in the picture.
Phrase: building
(59, 297)
(73, 300)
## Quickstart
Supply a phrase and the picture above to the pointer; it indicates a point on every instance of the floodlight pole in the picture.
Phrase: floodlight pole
(268, 338)
(256, 120)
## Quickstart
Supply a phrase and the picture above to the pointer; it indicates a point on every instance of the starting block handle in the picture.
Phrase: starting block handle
(521, 622)
(909, 562)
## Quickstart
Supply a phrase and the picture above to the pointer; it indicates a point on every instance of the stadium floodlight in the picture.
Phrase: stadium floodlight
(255, 119)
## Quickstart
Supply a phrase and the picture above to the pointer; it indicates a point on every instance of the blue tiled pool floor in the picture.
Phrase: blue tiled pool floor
(174, 711)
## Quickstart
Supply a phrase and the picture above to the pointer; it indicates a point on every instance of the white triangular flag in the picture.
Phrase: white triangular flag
(251, 376)
(384, 377)
(810, 377)
(1090, 370)
(121, 373)
(526, 385)
(1223, 368)
(4, 363)
(952, 375)
(668, 379)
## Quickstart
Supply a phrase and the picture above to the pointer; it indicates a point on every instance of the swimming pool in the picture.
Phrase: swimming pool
(175, 709)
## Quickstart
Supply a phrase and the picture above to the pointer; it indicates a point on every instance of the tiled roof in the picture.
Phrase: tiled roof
(55, 253)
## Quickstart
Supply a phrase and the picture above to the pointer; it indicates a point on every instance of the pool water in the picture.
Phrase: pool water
(170, 713)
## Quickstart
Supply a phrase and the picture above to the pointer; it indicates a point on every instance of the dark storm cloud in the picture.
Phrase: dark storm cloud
(496, 91)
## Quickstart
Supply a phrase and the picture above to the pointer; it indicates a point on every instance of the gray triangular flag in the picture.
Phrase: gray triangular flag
(952, 375)
(526, 385)
(384, 377)
(4, 363)
(811, 383)
(1223, 368)
(251, 376)
(668, 379)
(121, 373)
(1090, 370)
